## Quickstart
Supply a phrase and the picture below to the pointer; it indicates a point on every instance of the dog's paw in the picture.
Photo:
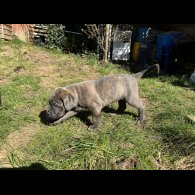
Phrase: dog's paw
(50, 124)
(140, 122)
(53, 123)
(91, 127)
(112, 114)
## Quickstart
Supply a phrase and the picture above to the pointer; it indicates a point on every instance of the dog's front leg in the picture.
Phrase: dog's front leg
(140, 118)
(96, 121)
(95, 110)
(141, 115)
(65, 117)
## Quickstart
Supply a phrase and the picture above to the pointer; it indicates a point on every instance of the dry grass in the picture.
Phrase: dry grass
(16, 140)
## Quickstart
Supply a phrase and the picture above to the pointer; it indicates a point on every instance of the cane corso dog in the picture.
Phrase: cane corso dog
(93, 95)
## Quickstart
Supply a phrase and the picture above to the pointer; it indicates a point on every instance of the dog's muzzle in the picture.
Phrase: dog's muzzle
(54, 116)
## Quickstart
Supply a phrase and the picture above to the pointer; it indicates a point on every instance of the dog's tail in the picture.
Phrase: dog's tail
(141, 73)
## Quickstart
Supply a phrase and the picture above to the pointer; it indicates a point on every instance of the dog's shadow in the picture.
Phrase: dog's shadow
(83, 115)
(110, 110)
(43, 118)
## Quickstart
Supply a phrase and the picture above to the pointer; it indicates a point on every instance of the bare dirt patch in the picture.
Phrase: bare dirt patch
(7, 51)
(39, 57)
(45, 68)
(14, 141)
(127, 163)
(4, 81)
(186, 163)
(51, 74)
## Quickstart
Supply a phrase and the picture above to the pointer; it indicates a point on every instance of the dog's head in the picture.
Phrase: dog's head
(60, 102)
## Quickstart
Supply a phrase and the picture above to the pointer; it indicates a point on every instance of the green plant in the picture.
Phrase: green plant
(55, 38)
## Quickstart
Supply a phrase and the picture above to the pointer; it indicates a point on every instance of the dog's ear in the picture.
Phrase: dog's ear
(67, 98)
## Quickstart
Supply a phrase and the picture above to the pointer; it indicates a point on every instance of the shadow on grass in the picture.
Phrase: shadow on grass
(83, 115)
(184, 84)
(33, 166)
(178, 80)
(110, 110)
(175, 138)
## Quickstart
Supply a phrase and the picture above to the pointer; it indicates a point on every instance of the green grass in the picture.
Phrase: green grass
(119, 143)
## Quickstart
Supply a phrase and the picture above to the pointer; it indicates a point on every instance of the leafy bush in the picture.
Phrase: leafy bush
(67, 42)
(56, 38)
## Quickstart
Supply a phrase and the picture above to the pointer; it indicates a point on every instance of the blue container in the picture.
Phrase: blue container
(166, 41)
(143, 33)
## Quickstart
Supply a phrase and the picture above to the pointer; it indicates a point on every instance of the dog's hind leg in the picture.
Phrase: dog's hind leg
(137, 103)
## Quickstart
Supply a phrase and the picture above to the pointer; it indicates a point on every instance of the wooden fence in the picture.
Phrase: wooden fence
(6, 31)
(25, 32)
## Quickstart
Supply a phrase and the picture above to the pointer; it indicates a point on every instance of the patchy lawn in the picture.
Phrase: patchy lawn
(28, 75)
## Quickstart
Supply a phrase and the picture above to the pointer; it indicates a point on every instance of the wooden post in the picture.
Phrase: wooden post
(105, 59)
(2, 30)
(12, 32)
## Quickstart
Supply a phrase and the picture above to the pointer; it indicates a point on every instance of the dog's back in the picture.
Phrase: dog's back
(115, 87)
(107, 89)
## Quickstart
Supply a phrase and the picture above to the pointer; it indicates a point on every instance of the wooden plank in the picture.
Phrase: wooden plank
(37, 29)
(7, 27)
(40, 27)
(31, 27)
(2, 30)
(7, 32)
(7, 37)
(45, 29)
(10, 30)
(41, 31)
(39, 34)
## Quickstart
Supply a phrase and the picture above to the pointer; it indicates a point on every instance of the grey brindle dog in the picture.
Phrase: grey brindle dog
(93, 95)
